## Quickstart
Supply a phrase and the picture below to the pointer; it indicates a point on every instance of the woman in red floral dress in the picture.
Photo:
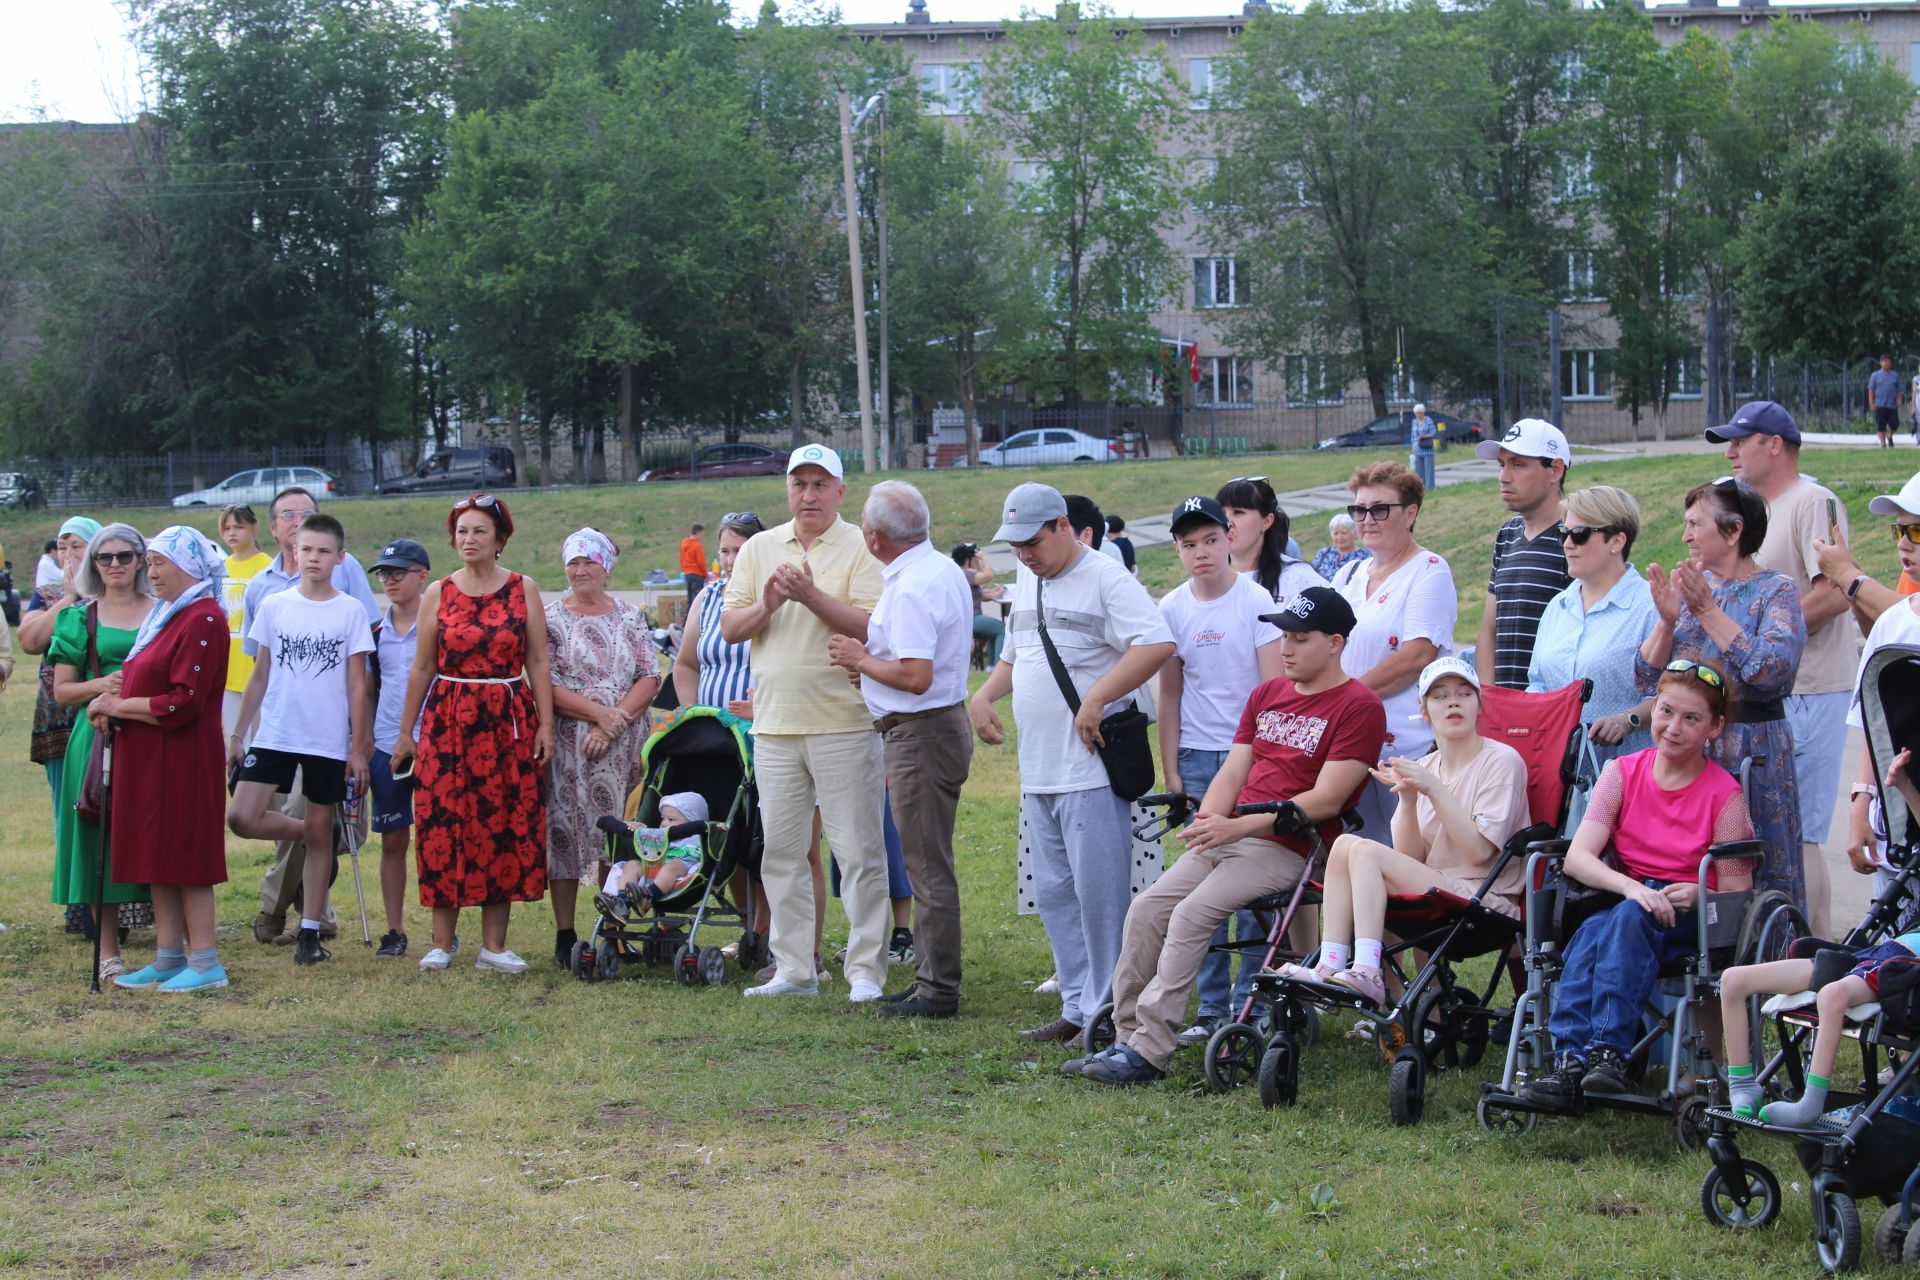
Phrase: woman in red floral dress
(481, 688)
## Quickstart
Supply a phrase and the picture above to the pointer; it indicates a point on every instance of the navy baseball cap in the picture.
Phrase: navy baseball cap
(1757, 418)
(1315, 609)
(1196, 510)
(403, 553)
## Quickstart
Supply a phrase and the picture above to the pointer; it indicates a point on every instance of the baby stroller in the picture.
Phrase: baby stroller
(701, 749)
(1440, 1023)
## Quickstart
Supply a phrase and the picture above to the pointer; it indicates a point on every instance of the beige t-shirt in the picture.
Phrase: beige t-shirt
(1794, 520)
(1493, 788)
(795, 688)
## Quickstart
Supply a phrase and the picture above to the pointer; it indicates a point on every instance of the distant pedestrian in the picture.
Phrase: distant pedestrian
(1886, 392)
(1117, 538)
(693, 563)
(1529, 562)
(1421, 434)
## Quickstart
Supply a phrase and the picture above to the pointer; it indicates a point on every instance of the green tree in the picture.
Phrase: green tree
(1085, 106)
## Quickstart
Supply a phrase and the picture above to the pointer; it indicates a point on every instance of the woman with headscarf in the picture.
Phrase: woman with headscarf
(604, 678)
(89, 644)
(169, 792)
(52, 723)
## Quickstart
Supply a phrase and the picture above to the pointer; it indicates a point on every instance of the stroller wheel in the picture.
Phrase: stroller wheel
(1407, 1087)
(1725, 1208)
(1280, 1072)
(1910, 1248)
(1233, 1056)
(713, 966)
(686, 965)
(1099, 1035)
(1505, 1120)
(583, 961)
(1837, 1236)
(1889, 1235)
(1690, 1124)
(1299, 1020)
(607, 960)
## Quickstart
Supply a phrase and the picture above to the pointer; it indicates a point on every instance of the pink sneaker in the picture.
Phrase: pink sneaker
(1362, 982)
(1321, 973)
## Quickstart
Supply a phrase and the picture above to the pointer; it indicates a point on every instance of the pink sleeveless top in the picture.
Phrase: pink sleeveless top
(1661, 834)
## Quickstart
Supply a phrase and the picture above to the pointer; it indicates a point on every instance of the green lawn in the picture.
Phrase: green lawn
(363, 1118)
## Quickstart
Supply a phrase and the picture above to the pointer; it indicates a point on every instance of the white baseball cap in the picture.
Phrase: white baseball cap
(1530, 438)
(1451, 665)
(816, 455)
(1905, 502)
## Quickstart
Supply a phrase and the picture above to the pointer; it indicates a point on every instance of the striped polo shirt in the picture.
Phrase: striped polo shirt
(1527, 574)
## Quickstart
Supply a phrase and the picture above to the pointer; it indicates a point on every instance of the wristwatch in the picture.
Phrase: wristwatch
(1633, 720)
(1853, 588)
(1862, 789)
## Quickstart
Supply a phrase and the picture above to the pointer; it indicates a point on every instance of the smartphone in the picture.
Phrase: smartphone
(1833, 514)
(405, 771)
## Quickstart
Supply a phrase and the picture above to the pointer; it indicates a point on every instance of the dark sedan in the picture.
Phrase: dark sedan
(471, 469)
(1395, 429)
(724, 461)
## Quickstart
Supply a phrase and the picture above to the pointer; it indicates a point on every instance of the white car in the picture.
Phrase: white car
(1044, 445)
(258, 487)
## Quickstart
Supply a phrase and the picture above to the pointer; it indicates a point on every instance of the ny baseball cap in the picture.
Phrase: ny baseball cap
(1905, 502)
(1451, 665)
(1198, 509)
(1757, 418)
(1316, 609)
(403, 553)
(816, 455)
(1530, 438)
(1030, 508)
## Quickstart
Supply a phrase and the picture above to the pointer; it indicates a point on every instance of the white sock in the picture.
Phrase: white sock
(1333, 955)
(1366, 954)
(309, 924)
(613, 881)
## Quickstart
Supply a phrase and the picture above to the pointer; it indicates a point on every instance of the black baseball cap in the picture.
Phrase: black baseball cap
(1196, 509)
(1316, 609)
(403, 553)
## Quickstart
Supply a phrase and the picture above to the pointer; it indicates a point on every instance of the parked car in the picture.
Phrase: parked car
(724, 461)
(258, 487)
(1395, 429)
(1049, 445)
(475, 469)
(18, 489)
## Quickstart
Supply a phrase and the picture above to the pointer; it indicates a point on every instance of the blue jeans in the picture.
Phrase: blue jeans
(898, 886)
(1220, 996)
(1610, 970)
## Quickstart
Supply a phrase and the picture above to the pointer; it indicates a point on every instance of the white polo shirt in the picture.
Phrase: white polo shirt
(925, 611)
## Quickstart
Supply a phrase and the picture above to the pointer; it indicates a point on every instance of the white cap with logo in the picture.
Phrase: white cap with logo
(1451, 665)
(816, 455)
(1905, 502)
(1530, 438)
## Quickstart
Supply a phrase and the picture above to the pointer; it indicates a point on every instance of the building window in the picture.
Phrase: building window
(1573, 178)
(1218, 282)
(1913, 62)
(1582, 376)
(1311, 380)
(1224, 381)
(1572, 69)
(1582, 283)
(1200, 83)
(948, 87)
(1689, 378)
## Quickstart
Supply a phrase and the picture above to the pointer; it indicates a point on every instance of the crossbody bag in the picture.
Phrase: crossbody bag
(1128, 750)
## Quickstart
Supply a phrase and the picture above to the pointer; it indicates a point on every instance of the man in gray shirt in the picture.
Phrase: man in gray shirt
(1886, 391)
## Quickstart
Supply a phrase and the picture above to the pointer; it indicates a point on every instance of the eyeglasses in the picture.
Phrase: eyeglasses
(1908, 532)
(1704, 674)
(739, 517)
(1578, 534)
(292, 515)
(387, 573)
(115, 557)
(1377, 513)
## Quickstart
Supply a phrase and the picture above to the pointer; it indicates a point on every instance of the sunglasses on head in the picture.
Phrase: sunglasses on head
(1908, 532)
(1248, 480)
(115, 557)
(1578, 534)
(1377, 513)
(740, 517)
(1704, 674)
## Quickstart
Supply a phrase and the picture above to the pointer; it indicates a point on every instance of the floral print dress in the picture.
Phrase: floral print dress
(600, 657)
(1760, 668)
(480, 803)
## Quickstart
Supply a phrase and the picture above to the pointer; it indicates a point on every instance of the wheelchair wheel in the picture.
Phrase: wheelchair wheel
(1889, 1236)
(1098, 1035)
(1690, 1124)
(1772, 922)
(1299, 1020)
(686, 965)
(1724, 1209)
(1910, 1248)
(582, 961)
(1838, 1240)
(1448, 1029)
(1280, 1072)
(607, 959)
(1505, 1120)
(1233, 1056)
(1407, 1086)
(713, 966)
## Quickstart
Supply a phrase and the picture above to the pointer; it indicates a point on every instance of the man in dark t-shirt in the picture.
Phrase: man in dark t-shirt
(1308, 736)
(1529, 559)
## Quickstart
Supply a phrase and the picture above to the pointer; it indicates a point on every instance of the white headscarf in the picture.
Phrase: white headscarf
(195, 555)
(592, 544)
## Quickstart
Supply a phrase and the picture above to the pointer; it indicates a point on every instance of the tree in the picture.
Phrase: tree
(1085, 106)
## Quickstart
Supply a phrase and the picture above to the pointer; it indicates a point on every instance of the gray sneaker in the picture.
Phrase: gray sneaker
(1200, 1032)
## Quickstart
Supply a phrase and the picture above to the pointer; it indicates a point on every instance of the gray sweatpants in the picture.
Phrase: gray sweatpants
(1081, 846)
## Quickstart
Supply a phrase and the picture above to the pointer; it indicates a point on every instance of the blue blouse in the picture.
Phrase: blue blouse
(1597, 644)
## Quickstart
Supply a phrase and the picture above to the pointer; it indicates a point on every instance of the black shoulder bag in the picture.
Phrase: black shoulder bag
(1128, 753)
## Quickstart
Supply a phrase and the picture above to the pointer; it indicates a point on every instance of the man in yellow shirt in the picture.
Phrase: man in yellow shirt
(793, 588)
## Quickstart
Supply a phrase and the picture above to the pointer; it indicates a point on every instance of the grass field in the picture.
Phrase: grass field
(365, 1119)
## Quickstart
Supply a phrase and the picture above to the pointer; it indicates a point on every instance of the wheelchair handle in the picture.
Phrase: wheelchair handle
(1168, 799)
(1288, 820)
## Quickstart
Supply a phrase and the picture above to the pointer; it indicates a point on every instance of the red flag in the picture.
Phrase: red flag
(1193, 363)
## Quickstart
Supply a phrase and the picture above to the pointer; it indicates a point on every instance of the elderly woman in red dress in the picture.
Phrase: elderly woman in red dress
(169, 794)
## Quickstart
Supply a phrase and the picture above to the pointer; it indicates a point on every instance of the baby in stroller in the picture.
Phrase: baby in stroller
(663, 866)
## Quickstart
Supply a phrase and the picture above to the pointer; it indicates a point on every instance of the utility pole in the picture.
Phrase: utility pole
(880, 219)
(859, 284)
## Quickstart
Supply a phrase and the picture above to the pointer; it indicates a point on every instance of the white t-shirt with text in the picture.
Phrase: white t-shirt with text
(312, 641)
(1215, 642)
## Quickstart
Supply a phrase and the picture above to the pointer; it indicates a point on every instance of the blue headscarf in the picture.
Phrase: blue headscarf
(194, 554)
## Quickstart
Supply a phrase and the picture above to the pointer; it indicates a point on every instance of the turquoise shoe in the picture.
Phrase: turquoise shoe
(150, 976)
(191, 979)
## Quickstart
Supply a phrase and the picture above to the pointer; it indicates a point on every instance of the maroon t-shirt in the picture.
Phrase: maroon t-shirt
(1294, 734)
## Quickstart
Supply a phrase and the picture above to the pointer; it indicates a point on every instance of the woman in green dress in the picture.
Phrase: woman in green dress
(113, 577)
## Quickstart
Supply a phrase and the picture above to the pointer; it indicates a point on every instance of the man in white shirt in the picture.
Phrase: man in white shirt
(913, 673)
(1111, 640)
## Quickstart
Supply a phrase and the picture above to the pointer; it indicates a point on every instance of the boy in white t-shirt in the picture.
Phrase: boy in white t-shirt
(309, 690)
(1223, 651)
(1899, 625)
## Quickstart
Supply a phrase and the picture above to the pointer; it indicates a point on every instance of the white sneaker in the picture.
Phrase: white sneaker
(436, 959)
(1051, 987)
(781, 987)
(504, 961)
(860, 991)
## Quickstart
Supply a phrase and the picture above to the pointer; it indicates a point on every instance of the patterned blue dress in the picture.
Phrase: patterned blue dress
(1760, 667)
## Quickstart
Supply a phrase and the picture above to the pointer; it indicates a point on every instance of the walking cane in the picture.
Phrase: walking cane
(100, 855)
(351, 819)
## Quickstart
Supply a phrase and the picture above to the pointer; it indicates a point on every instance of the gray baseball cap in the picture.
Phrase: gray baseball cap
(1030, 508)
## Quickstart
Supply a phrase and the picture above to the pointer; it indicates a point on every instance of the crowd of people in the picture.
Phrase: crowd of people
(486, 729)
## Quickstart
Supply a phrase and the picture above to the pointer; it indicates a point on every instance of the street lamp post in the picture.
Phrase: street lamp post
(858, 280)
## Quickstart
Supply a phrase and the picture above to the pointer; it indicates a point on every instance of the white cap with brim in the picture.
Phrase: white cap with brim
(1451, 665)
(1530, 438)
(816, 455)
(1030, 508)
(1905, 502)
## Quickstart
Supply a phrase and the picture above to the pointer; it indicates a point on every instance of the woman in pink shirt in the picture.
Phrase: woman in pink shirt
(1658, 810)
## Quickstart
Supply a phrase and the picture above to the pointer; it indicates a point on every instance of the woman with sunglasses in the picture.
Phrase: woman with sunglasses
(1405, 605)
(1258, 542)
(1658, 811)
(1721, 607)
(113, 578)
(1591, 629)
